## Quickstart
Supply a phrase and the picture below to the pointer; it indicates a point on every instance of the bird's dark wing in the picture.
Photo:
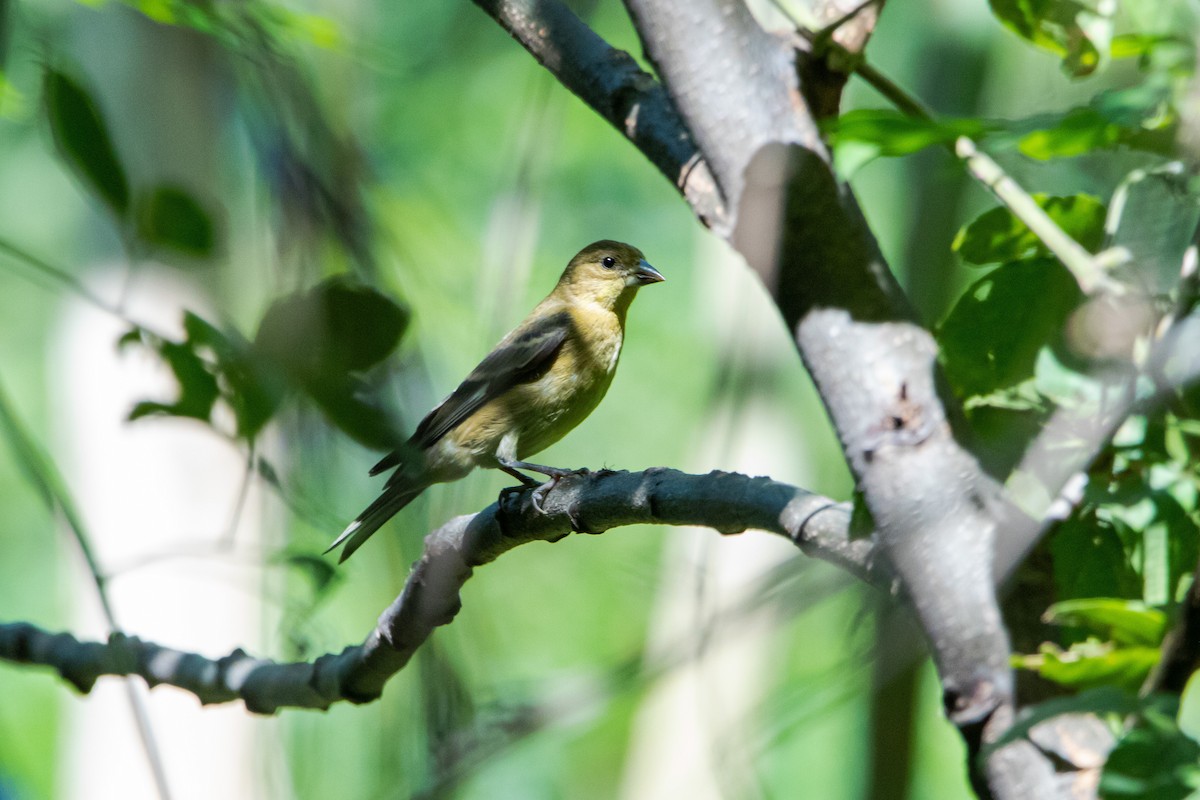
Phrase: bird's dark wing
(523, 356)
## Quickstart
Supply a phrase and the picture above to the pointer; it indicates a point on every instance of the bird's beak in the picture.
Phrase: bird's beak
(643, 273)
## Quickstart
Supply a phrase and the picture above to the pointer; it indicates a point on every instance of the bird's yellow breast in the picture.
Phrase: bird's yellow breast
(537, 414)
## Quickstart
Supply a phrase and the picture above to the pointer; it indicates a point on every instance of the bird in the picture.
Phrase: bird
(540, 381)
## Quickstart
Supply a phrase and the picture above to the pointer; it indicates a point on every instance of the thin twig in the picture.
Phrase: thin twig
(1081, 264)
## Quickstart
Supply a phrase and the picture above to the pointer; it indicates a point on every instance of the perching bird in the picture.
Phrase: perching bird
(538, 383)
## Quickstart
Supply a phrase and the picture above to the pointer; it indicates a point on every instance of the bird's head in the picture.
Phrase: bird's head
(609, 273)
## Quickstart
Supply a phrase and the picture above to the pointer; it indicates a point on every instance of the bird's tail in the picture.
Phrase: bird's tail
(394, 498)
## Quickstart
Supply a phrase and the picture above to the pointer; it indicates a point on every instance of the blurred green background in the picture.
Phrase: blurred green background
(598, 667)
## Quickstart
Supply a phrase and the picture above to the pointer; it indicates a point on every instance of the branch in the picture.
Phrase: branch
(591, 503)
(733, 83)
(615, 87)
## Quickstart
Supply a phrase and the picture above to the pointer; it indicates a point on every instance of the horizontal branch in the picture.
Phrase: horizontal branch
(584, 503)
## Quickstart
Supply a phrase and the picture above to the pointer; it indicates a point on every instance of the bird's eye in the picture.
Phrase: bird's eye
(608, 262)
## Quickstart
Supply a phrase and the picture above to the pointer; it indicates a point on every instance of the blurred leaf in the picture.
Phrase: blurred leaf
(1059, 382)
(198, 391)
(991, 338)
(322, 336)
(1075, 31)
(348, 405)
(1104, 701)
(1139, 45)
(1091, 664)
(1154, 760)
(1123, 621)
(211, 365)
(997, 235)
(83, 139)
(170, 217)
(320, 571)
(1153, 215)
(335, 327)
(248, 386)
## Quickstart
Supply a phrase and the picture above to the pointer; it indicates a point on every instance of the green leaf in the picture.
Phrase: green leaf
(1075, 31)
(1080, 131)
(990, 340)
(1123, 621)
(884, 132)
(320, 571)
(348, 406)
(1154, 760)
(83, 139)
(336, 327)
(248, 386)
(364, 326)
(319, 338)
(170, 217)
(1154, 214)
(1062, 384)
(997, 235)
(198, 391)
(1090, 560)
(211, 365)
(1140, 117)
(1091, 664)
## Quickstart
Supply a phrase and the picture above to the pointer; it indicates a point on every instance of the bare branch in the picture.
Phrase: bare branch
(733, 83)
(591, 503)
(615, 87)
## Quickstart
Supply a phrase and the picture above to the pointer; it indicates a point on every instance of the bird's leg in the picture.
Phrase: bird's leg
(555, 474)
(525, 480)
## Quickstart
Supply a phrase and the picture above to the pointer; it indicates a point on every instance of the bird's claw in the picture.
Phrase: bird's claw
(539, 494)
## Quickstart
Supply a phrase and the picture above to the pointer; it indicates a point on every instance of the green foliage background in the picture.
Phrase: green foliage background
(479, 177)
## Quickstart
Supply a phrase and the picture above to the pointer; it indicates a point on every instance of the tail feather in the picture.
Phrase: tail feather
(385, 507)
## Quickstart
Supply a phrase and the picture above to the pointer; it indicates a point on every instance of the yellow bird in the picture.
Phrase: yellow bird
(538, 383)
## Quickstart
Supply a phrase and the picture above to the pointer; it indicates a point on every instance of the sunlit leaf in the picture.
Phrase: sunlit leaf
(1079, 131)
(83, 139)
(997, 235)
(1093, 664)
(1123, 621)
(1075, 31)
(169, 216)
(891, 133)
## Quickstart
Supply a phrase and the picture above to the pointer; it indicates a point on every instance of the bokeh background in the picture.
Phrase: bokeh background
(644, 663)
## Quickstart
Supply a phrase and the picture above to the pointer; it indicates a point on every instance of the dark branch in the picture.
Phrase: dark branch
(611, 82)
(591, 503)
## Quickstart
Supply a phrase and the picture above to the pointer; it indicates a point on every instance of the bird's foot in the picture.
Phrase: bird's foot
(555, 474)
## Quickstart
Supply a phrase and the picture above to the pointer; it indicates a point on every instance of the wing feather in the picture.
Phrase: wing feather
(525, 355)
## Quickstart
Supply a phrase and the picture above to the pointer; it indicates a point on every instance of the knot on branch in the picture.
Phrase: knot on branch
(905, 424)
